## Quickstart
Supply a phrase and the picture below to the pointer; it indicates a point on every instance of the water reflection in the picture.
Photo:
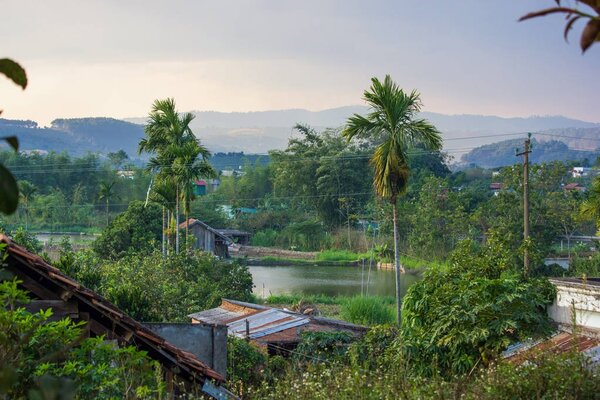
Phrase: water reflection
(327, 280)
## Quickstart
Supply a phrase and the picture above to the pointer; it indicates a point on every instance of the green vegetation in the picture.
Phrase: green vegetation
(42, 357)
(367, 311)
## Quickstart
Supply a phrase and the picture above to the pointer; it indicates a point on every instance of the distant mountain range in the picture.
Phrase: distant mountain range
(261, 131)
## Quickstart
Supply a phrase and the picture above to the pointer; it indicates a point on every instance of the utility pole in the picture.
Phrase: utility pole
(525, 154)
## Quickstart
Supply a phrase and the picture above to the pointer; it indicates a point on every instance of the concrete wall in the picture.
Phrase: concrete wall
(580, 297)
(207, 342)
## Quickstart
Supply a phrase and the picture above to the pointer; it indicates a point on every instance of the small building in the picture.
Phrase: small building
(199, 188)
(279, 330)
(207, 238)
(496, 187)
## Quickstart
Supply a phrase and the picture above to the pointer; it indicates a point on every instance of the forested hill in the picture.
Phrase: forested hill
(259, 132)
(503, 153)
(76, 136)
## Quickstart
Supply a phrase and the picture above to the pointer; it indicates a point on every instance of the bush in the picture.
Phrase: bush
(367, 311)
(470, 311)
(152, 288)
(590, 266)
(265, 238)
(322, 346)
(138, 229)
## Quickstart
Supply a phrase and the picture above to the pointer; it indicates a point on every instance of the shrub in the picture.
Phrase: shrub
(39, 357)
(322, 346)
(367, 311)
(138, 229)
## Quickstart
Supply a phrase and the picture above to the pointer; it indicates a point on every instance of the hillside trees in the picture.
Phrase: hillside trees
(318, 172)
(392, 121)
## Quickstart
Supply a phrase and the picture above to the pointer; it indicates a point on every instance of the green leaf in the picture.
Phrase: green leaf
(9, 191)
(12, 141)
(13, 71)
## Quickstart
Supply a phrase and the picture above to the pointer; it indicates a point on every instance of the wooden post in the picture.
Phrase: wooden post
(525, 153)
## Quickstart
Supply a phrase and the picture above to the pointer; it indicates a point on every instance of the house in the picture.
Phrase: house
(279, 330)
(496, 187)
(576, 313)
(574, 186)
(48, 287)
(207, 238)
(199, 188)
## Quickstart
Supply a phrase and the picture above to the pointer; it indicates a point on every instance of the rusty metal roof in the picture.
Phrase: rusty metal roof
(561, 342)
(26, 264)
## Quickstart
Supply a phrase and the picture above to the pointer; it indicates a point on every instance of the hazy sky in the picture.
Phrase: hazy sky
(113, 58)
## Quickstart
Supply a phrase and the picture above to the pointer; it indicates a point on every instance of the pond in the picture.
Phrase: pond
(331, 281)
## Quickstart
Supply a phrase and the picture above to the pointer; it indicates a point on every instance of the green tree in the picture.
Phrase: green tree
(135, 230)
(26, 192)
(107, 193)
(170, 138)
(393, 123)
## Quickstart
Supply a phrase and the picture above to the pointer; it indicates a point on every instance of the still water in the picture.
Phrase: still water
(327, 280)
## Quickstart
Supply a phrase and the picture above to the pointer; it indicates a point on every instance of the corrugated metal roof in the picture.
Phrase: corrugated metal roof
(265, 323)
(562, 342)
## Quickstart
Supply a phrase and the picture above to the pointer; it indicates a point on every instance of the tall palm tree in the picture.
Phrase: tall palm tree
(190, 163)
(107, 193)
(26, 192)
(591, 207)
(168, 134)
(393, 123)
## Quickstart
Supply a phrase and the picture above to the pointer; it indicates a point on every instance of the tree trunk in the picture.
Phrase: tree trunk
(164, 228)
(107, 212)
(396, 261)
(187, 227)
(177, 220)
(169, 233)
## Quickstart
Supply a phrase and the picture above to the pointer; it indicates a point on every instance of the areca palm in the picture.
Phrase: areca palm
(190, 163)
(26, 192)
(107, 193)
(176, 150)
(392, 121)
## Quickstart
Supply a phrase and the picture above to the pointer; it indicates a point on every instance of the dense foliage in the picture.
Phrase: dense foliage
(467, 313)
(137, 229)
(41, 358)
(151, 288)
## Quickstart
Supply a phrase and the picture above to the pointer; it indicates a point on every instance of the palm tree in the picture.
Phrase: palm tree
(393, 124)
(26, 192)
(106, 193)
(590, 208)
(190, 163)
(168, 135)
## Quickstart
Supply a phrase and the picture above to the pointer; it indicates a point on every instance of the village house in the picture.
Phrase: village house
(213, 240)
(574, 187)
(49, 288)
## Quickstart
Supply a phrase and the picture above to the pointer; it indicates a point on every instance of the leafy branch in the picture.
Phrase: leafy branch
(591, 32)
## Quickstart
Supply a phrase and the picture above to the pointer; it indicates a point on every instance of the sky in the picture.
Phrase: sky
(114, 57)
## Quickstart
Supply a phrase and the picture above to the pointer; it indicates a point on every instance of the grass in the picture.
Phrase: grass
(368, 311)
